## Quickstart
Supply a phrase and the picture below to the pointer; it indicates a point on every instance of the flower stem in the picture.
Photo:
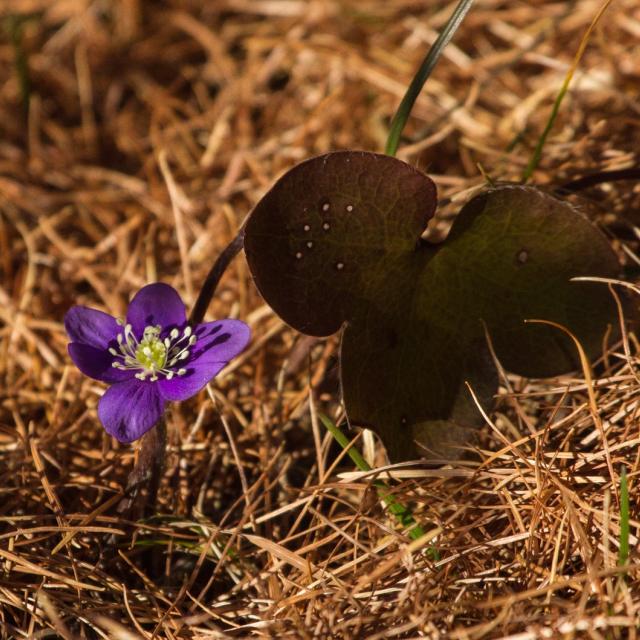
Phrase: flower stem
(213, 277)
(423, 73)
(147, 470)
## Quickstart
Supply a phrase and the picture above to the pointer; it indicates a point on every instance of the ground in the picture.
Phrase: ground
(135, 136)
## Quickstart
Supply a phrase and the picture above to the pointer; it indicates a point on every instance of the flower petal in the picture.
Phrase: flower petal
(218, 343)
(156, 304)
(96, 363)
(129, 409)
(90, 326)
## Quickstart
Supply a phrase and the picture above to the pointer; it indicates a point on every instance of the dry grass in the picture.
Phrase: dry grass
(153, 128)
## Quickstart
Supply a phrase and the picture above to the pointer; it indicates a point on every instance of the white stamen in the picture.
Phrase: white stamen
(152, 358)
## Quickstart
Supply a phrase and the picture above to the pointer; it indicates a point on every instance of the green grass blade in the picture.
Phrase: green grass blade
(537, 152)
(401, 512)
(623, 553)
(343, 441)
(427, 66)
(14, 27)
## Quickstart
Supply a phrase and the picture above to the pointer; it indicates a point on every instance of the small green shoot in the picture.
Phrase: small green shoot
(623, 553)
(14, 27)
(537, 152)
(423, 73)
(400, 511)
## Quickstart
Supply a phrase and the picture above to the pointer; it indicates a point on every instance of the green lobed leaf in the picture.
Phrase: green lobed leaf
(337, 243)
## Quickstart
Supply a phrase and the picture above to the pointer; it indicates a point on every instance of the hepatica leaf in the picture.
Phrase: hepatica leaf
(337, 244)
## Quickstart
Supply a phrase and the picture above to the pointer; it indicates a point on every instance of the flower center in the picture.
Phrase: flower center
(153, 356)
(151, 352)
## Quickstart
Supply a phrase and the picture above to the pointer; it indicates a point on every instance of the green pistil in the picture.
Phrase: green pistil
(152, 356)
(151, 352)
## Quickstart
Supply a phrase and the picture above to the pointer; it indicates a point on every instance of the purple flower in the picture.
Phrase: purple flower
(152, 357)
